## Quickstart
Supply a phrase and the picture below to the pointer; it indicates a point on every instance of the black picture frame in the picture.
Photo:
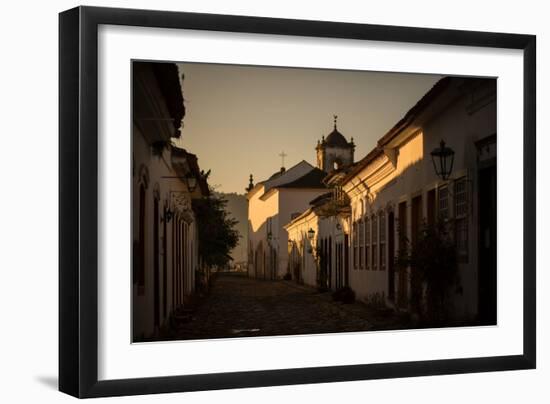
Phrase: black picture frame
(78, 201)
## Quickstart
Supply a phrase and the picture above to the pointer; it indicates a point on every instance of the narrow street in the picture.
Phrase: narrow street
(239, 306)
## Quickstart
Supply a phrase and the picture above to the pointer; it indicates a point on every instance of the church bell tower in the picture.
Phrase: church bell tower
(335, 151)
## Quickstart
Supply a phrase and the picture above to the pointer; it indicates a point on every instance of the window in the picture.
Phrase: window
(367, 242)
(355, 245)
(361, 242)
(374, 253)
(461, 218)
(268, 227)
(461, 200)
(443, 202)
(402, 225)
(382, 240)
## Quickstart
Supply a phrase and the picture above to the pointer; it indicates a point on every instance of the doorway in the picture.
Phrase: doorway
(416, 229)
(164, 269)
(156, 300)
(487, 246)
(391, 257)
(403, 241)
(346, 259)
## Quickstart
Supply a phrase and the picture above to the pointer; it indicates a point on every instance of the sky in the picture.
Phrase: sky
(240, 118)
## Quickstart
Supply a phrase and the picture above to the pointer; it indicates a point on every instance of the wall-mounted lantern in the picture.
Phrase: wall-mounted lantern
(310, 233)
(168, 214)
(443, 158)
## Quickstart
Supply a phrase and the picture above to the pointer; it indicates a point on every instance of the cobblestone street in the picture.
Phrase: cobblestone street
(238, 306)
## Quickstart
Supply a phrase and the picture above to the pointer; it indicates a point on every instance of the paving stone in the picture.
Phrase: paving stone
(238, 306)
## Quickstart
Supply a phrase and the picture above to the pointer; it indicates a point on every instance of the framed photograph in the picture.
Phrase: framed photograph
(251, 201)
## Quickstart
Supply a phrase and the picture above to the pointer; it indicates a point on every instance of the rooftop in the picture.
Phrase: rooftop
(313, 179)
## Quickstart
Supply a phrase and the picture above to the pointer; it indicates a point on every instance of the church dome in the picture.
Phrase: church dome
(335, 151)
(335, 138)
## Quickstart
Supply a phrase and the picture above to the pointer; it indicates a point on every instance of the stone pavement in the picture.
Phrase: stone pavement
(239, 306)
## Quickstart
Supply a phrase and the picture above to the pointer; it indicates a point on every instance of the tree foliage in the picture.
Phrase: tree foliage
(434, 271)
(217, 233)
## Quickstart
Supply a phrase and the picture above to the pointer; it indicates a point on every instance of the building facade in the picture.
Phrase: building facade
(318, 242)
(395, 191)
(380, 205)
(318, 239)
(271, 204)
(165, 240)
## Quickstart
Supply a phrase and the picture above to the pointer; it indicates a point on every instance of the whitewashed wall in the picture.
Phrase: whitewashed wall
(414, 175)
(157, 168)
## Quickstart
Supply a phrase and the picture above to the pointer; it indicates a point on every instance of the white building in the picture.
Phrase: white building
(283, 197)
(165, 247)
(271, 204)
(319, 243)
(395, 189)
(319, 237)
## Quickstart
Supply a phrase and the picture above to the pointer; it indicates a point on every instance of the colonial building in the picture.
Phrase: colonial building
(397, 188)
(284, 197)
(351, 235)
(271, 204)
(165, 179)
(319, 242)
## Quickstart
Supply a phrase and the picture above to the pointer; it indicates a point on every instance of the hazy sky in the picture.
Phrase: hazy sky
(239, 118)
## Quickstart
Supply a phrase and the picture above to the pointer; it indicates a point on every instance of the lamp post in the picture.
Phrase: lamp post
(190, 181)
(168, 214)
(310, 235)
(443, 159)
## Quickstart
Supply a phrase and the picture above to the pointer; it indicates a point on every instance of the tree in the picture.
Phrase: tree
(217, 233)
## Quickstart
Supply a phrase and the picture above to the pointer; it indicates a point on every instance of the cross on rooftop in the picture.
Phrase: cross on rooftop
(283, 155)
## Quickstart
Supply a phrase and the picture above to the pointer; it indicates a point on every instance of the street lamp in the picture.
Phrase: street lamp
(168, 214)
(442, 159)
(310, 233)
